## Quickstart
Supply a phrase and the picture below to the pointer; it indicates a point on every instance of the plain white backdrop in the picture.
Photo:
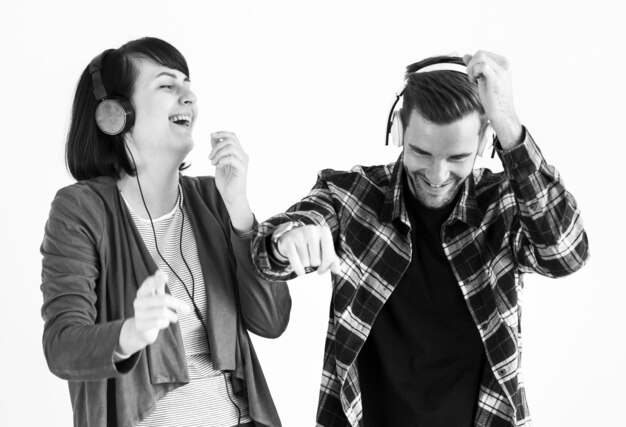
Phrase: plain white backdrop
(306, 86)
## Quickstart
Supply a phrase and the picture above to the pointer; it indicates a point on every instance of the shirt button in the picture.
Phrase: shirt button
(532, 207)
(513, 165)
(502, 372)
(448, 240)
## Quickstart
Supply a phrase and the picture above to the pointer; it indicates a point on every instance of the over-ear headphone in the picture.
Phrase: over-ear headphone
(395, 127)
(114, 115)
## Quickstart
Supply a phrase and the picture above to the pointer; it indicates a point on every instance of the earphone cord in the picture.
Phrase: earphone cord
(193, 284)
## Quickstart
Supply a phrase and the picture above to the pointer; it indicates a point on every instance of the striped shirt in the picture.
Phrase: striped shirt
(206, 399)
(504, 225)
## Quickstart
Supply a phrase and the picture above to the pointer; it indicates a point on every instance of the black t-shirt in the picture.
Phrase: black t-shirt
(421, 363)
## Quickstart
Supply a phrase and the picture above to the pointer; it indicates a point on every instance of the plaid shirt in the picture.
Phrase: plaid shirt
(505, 224)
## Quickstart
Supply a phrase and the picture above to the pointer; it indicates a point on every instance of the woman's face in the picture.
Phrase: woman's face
(165, 112)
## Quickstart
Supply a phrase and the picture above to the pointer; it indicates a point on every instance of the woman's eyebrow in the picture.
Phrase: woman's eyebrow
(166, 73)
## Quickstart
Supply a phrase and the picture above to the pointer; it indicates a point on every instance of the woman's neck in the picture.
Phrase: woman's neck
(156, 189)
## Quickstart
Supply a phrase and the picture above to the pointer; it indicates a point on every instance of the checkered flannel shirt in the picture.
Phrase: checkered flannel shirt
(505, 224)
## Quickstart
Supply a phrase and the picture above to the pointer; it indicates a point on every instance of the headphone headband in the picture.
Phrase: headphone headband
(96, 78)
(394, 120)
(443, 66)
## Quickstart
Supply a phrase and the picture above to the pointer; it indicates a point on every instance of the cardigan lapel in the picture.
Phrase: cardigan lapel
(166, 356)
(218, 270)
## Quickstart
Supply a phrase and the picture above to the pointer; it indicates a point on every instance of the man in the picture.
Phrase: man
(428, 255)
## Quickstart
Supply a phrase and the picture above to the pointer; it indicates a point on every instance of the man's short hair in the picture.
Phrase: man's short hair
(442, 96)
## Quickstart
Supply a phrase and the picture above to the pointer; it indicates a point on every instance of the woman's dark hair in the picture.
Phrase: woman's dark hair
(442, 97)
(89, 152)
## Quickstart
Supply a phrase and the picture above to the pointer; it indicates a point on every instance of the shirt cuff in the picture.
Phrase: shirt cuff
(522, 160)
(118, 357)
(275, 261)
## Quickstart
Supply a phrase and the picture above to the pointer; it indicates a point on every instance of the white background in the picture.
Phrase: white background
(307, 85)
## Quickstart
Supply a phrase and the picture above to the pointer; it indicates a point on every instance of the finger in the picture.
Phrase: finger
(223, 134)
(335, 267)
(223, 137)
(217, 144)
(229, 150)
(153, 285)
(490, 57)
(162, 306)
(302, 247)
(148, 325)
(314, 247)
(471, 61)
(180, 306)
(158, 301)
(329, 256)
(482, 70)
(146, 319)
(290, 251)
(237, 165)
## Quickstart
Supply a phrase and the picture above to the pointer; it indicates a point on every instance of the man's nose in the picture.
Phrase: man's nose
(438, 172)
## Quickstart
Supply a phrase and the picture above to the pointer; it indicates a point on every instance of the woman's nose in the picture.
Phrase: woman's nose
(188, 96)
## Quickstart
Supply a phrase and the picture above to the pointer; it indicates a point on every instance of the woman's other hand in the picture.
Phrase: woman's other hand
(154, 310)
(231, 175)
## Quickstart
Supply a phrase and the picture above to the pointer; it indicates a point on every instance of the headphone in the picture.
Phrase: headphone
(114, 115)
(395, 127)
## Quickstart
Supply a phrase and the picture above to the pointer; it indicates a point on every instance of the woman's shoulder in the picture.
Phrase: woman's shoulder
(89, 189)
(200, 186)
(199, 182)
(85, 195)
(202, 191)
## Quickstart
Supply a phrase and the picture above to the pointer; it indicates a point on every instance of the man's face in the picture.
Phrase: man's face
(438, 158)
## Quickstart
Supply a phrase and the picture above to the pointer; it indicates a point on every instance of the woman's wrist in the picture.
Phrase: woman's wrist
(241, 216)
(128, 343)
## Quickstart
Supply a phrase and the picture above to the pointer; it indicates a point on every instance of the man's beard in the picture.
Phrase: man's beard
(431, 197)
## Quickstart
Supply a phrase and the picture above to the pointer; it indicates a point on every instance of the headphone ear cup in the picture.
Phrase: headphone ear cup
(115, 116)
(397, 128)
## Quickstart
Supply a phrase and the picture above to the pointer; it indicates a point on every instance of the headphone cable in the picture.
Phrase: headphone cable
(193, 284)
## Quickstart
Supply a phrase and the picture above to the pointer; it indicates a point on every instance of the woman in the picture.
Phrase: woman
(147, 281)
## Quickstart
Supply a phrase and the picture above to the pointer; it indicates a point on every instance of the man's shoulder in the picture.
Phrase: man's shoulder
(491, 187)
(378, 176)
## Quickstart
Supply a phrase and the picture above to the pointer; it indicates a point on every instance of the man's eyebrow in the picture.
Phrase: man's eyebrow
(421, 151)
(462, 155)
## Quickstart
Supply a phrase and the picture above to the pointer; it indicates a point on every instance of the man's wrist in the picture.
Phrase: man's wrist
(276, 235)
(510, 133)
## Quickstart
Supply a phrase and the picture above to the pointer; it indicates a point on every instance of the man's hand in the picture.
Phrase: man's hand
(493, 75)
(309, 246)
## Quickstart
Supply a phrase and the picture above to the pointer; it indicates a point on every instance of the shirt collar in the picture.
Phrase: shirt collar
(393, 206)
(466, 209)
